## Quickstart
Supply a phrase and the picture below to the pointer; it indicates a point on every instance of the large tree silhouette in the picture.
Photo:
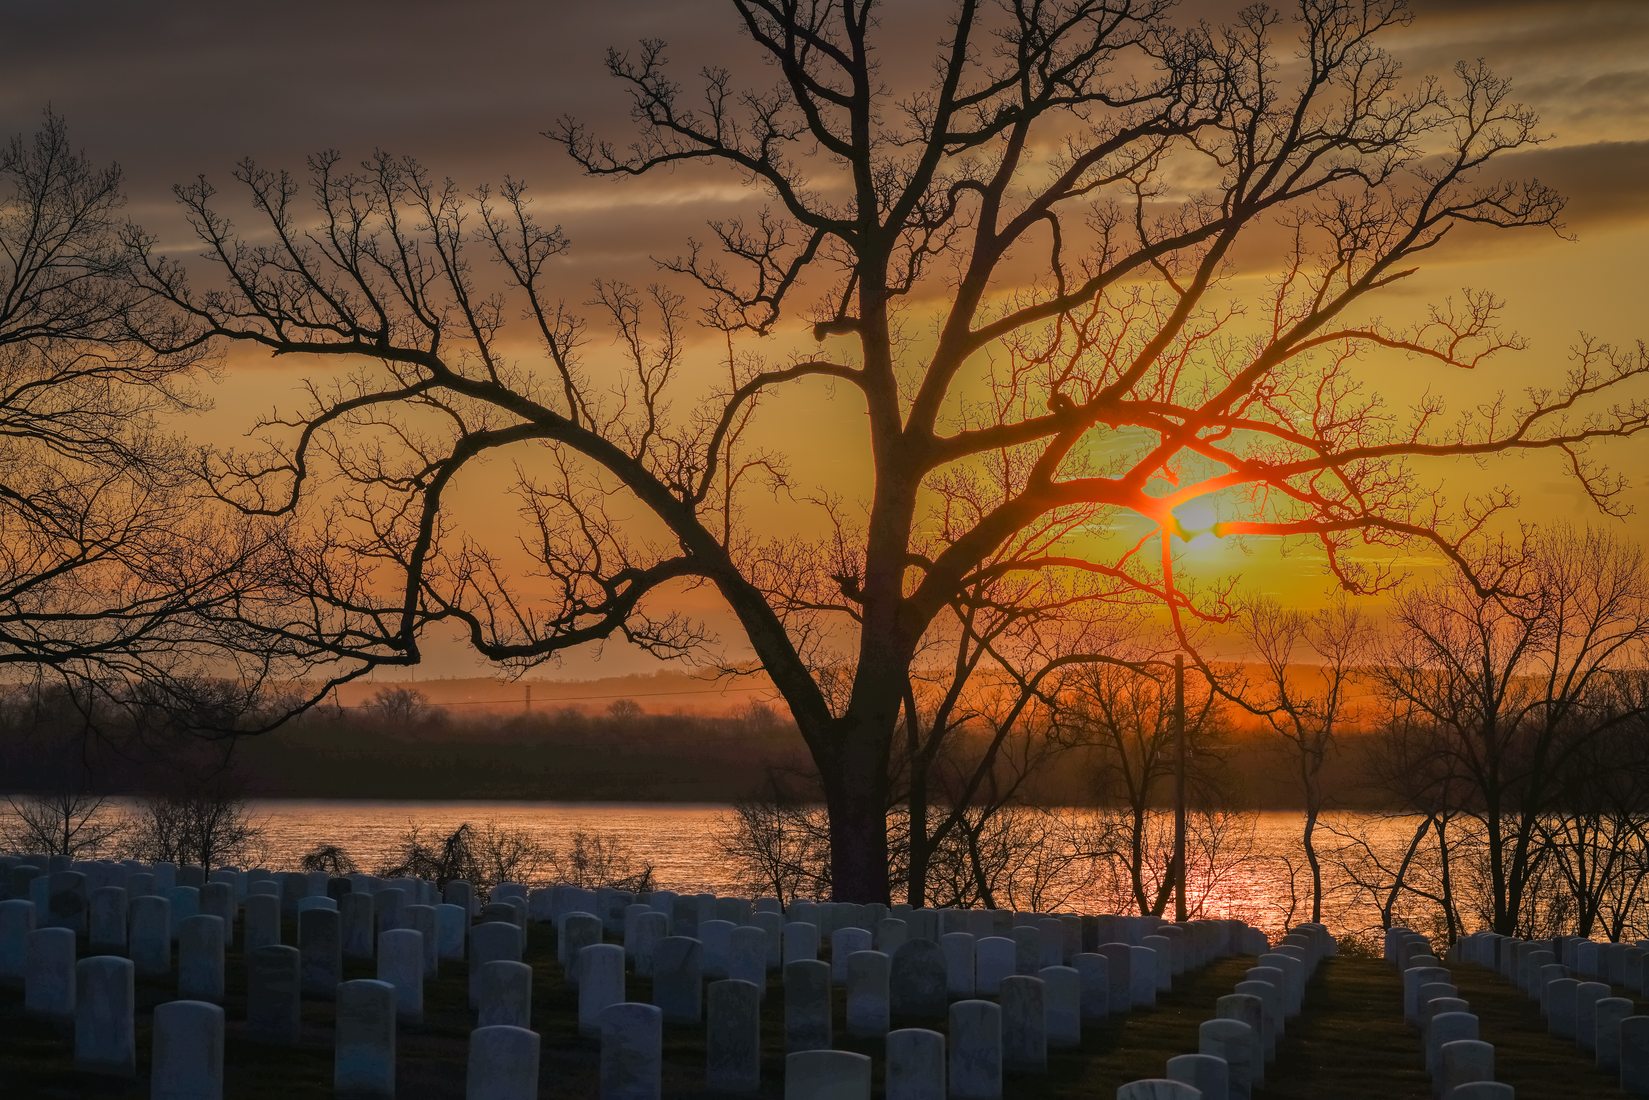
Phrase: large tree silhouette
(1020, 263)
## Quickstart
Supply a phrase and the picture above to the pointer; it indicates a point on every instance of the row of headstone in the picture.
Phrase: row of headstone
(1590, 1013)
(1458, 1062)
(1234, 1048)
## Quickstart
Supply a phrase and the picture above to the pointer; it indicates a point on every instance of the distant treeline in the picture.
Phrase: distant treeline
(401, 748)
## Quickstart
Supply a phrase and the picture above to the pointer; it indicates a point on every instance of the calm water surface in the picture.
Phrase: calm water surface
(681, 842)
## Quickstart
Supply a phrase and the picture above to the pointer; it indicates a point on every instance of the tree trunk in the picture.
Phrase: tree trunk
(856, 797)
(1310, 840)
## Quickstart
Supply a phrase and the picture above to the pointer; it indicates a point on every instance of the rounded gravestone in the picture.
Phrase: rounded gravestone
(363, 1066)
(272, 995)
(807, 1014)
(503, 1064)
(918, 982)
(915, 1065)
(632, 1050)
(1206, 1073)
(505, 994)
(732, 1037)
(104, 1016)
(1024, 1024)
(826, 1075)
(187, 1056)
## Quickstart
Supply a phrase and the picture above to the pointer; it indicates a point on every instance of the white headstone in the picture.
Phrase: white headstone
(995, 958)
(867, 994)
(503, 1064)
(1119, 968)
(1247, 1071)
(915, 1065)
(401, 964)
(747, 955)
(1024, 1024)
(452, 923)
(919, 985)
(801, 941)
(1271, 1001)
(49, 974)
(1560, 1007)
(104, 1016)
(678, 979)
(844, 942)
(1146, 964)
(600, 968)
(807, 1015)
(732, 1041)
(200, 958)
(959, 952)
(186, 1062)
(364, 1055)
(149, 932)
(1634, 1056)
(1610, 1012)
(826, 1075)
(320, 948)
(574, 932)
(632, 1048)
(1206, 1073)
(16, 922)
(1237, 1045)
(106, 920)
(1093, 976)
(422, 920)
(1587, 995)
(1062, 987)
(358, 924)
(975, 1051)
(488, 943)
(1446, 1027)
(641, 939)
(1463, 1062)
(272, 994)
(505, 994)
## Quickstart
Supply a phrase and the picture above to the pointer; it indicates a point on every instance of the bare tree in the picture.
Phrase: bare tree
(1514, 682)
(1126, 716)
(1306, 668)
(207, 825)
(778, 844)
(989, 263)
(69, 823)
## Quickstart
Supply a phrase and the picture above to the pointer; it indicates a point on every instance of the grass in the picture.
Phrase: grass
(1350, 1044)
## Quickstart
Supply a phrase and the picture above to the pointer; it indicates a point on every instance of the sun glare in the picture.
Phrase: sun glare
(1196, 520)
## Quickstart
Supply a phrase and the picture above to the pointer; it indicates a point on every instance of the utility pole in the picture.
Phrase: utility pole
(529, 698)
(1179, 787)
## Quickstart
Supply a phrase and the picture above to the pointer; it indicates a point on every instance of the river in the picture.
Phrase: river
(680, 841)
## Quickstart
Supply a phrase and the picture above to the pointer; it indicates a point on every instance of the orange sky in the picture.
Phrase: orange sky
(467, 89)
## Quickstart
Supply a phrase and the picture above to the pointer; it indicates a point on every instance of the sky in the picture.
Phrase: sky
(176, 91)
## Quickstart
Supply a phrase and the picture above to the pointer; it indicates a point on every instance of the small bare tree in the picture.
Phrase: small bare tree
(1126, 716)
(1307, 662)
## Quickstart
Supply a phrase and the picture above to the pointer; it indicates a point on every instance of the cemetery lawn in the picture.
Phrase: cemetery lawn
(1350, 1043)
